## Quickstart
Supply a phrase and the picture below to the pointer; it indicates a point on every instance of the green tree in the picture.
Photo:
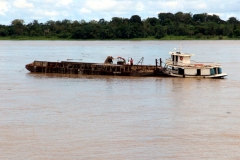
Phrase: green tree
(79, 33)
(152, 21)
(199, 35)
(179, 17)
(116, 21)
(200, 29)
(136, 19)
(107, 32)
(34, 28)
(236, 33)
(228, 30)
(102, 22)
(233, 20)
(182, 30)
(18, 26)
(178, 24)
(164, 16)
(213, 18)
(210, 29)
(3, 32)
(200, 17)
(171, 29)
(51, 25)
(127, 31)
(161, 32)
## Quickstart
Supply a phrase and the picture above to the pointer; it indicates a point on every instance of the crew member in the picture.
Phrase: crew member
(124, 61)
(131, 61)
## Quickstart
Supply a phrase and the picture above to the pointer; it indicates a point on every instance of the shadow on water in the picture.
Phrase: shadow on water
(81, 76)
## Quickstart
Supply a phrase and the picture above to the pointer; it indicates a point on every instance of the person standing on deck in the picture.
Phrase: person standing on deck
(131, 61)
(124, 61)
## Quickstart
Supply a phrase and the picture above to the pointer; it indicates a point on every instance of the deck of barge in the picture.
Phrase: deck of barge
(66, 67)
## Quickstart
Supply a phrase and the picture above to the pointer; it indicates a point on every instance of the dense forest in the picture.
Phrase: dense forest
(178, 24)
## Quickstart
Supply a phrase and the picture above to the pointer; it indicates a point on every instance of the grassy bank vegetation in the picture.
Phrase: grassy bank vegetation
(168, 37)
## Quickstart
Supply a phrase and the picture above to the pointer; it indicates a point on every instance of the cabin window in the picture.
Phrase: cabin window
(219, 70)
(212, 71)
(176, 58)
(173, 57)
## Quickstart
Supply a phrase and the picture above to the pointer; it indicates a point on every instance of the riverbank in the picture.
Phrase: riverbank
(148, 38)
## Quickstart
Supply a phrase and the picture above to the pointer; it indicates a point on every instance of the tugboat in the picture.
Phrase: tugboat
(181, 65)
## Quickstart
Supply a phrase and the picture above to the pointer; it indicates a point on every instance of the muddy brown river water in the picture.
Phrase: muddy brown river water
(55, 116)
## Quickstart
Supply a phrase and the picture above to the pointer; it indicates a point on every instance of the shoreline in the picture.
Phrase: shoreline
(131, 39)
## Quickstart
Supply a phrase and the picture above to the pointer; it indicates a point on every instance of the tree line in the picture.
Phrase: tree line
(178, 24)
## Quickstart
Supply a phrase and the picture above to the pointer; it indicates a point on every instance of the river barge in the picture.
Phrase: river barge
(121, 68)
(179, 65)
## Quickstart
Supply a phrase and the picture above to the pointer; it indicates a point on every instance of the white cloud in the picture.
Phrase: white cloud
(140, 6)
(84, 10)
(3, 7)
(22, 4)
(45, 13)
(49, 1)
(101, 5)
(50, 13)
(228, 15)
(200, 6)
(63, 2)
(171, 5)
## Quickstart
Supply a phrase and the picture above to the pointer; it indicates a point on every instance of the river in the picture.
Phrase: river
(57, 116)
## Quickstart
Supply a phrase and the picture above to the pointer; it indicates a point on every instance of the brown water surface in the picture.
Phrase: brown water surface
(55, 116)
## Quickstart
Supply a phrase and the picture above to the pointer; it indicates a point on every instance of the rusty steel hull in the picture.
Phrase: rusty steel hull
(93, 68)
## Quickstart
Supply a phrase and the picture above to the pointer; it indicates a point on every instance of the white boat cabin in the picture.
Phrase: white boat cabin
(178, 58)
(180, 65)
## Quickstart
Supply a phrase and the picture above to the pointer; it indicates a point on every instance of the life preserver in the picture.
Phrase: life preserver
(181, 58)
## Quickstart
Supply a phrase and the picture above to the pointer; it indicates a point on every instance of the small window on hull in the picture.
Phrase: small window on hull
(198, 72)
(180, 71)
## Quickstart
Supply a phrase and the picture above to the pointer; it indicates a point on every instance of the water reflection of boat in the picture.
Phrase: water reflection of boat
(180, 65)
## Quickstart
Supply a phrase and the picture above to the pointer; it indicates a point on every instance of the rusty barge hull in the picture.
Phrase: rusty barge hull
(66, 67)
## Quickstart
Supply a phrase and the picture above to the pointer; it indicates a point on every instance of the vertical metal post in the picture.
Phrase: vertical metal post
(156, 63)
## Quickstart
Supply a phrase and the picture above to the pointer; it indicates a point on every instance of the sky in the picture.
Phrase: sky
(45, 10)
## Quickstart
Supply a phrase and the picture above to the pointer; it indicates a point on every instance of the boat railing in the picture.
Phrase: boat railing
(192, 62)
(206, 63)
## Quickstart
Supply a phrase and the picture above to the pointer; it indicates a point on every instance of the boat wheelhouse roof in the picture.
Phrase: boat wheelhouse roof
(181, 54)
